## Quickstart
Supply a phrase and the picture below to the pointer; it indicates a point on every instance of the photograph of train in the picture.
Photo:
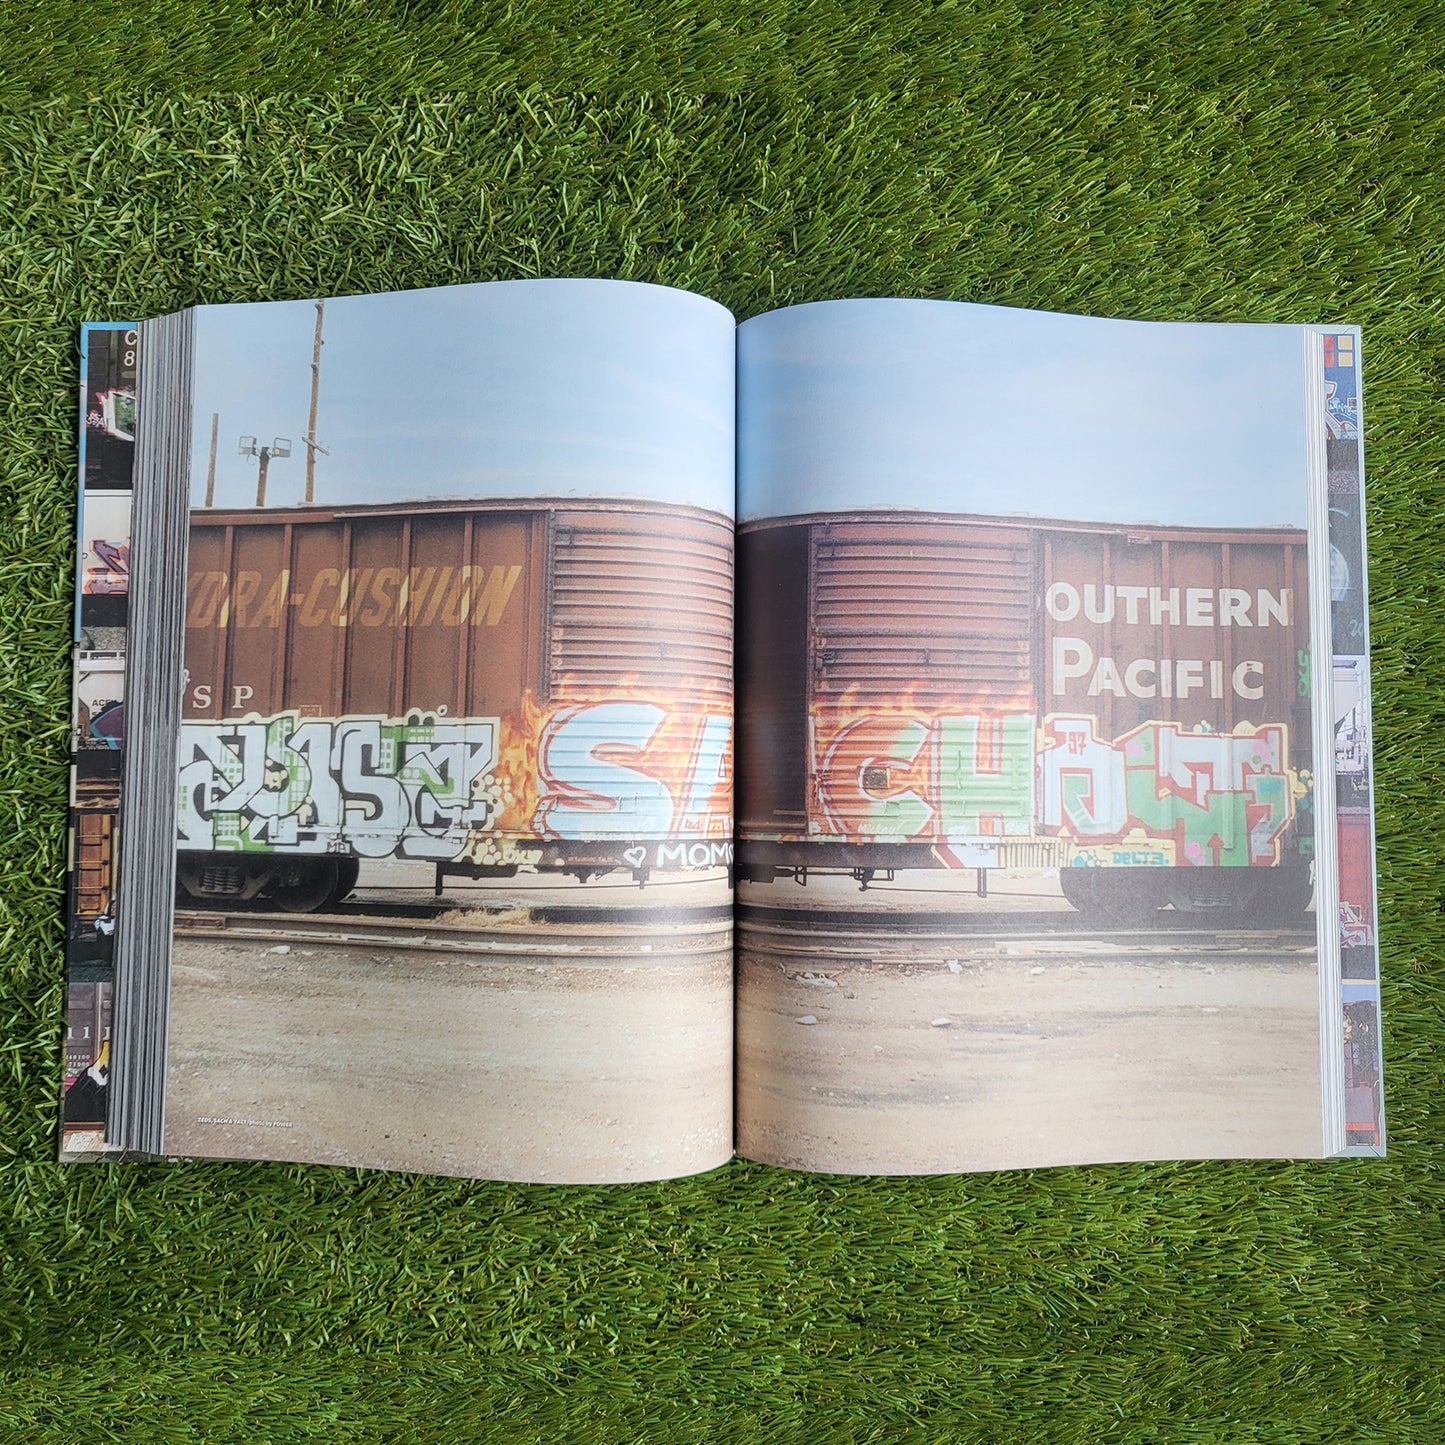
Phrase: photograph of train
(454, 803)
(540, 709)
(965, 694)
(1026, 749)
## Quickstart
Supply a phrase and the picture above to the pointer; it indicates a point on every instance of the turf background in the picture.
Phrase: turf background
(1248, 162)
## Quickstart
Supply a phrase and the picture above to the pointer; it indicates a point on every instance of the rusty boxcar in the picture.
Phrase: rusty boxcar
(95, 803)
(1129, 705)
(483, 686)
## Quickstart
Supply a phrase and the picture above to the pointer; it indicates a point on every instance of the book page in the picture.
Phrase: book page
(1360, 1082)
(455, 820)
(1029, 722)
(105, 455)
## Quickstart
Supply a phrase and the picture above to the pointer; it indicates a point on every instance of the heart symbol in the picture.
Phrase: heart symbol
(634, 857)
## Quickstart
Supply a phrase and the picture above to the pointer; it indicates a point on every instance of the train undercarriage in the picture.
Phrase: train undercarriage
(1105, 894)
(304, 883)
(1117, 895)
(292, 884)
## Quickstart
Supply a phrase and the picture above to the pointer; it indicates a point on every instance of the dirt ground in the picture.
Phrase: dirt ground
(1064, 1055)
(539, 1070)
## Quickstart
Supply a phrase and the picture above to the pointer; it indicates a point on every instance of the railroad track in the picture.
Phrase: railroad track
(796, 937)
(999, 923)
(643, 943)
(565, 913)
(938, 946)
(538, 912)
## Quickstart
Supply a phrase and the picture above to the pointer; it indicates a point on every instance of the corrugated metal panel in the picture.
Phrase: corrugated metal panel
(927, 608)
(365, 615)
(384, 611)
(640, 598)
(598, 635)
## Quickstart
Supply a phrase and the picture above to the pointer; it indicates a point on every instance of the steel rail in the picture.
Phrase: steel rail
(575, 944)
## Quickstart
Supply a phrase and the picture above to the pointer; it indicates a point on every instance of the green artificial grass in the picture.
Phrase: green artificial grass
(1257, 163)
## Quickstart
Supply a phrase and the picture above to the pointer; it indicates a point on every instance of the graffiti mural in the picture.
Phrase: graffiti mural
(1167, 793)
(902, 775)
(631, 769)
(105, 544)
(99, 702)
(618, 769)
(630, 766)
(1221, 798)
(1342, 388)
(375, 787)
(113, 414)
(110, 573)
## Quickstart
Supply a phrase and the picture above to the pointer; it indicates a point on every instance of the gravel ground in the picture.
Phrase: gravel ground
(535, 1070)
(1005, 1062)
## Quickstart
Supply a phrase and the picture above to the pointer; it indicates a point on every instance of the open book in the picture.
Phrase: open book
(1040, 835)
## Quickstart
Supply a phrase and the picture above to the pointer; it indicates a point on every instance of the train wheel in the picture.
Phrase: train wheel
(1112, 895)
(1281, 895)
(303, 887)
(348, 870)
(1077, 886)
(1211, 890)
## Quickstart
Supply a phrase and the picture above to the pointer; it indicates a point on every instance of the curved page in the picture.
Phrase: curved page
(455, 820)
(1027, 817)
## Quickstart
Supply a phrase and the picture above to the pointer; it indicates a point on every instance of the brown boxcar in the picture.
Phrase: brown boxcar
(94, 808)
(1127, 704)
(92, 820)
(482, 685)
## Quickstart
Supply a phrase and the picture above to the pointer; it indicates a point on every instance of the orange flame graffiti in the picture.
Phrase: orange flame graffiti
(520, 786)
(920, 702)
(515, 774)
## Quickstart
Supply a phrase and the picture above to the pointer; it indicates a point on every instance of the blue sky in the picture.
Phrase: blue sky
(948, 406)
(505, 389)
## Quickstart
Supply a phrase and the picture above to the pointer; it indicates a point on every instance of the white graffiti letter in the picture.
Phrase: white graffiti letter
(589, 795)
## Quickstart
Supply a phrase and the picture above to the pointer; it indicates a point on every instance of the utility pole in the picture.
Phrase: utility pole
(280, 447)
(211, 469)
(312, 447)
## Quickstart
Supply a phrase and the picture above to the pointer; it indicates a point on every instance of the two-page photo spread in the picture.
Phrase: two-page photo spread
(574, 737)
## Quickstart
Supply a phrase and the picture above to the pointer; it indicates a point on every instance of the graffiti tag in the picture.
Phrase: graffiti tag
(1223, 798)
(898, 776)
(371, 786)
(619, 769)
(632, 769)
(113, 573)
(1193, 797)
